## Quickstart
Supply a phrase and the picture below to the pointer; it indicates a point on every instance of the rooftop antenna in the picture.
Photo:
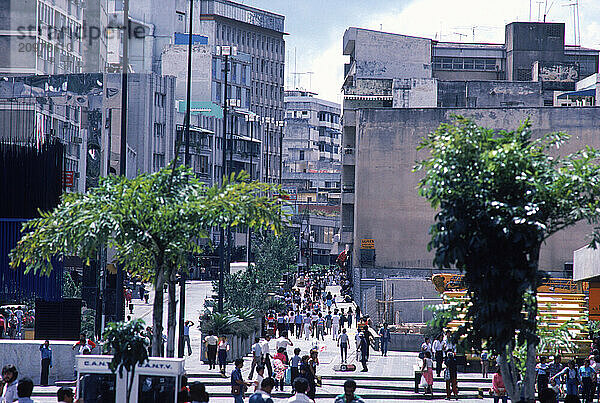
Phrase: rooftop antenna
(576, 31)
(460, 35)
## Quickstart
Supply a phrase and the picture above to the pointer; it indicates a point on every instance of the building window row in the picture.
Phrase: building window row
(329, 117)
(257, 42)
(464, 63)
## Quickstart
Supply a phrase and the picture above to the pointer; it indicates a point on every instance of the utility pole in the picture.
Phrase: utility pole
(180, 346)
(119, 299)
(280, 123)
(225, 51)
(250, 119)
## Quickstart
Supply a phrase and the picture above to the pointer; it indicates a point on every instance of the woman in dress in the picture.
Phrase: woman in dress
(222, 350)
(427, 369)
(280, 365)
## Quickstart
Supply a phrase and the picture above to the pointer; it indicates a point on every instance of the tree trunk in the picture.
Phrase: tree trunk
(510, 374)
(529, 380)
(157, 311)
(171, 314)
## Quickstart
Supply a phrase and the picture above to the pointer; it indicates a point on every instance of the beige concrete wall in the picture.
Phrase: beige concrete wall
(387, 206)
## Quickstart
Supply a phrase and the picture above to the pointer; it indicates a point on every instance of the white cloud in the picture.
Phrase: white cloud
(428, 18)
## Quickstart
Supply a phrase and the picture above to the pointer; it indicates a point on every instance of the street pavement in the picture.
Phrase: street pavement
(389, 378)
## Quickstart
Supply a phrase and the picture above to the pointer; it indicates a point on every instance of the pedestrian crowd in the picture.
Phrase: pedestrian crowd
(13, 320)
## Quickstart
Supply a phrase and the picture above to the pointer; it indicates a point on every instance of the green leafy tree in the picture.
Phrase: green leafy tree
(152, 222)
(128, 345)
(499, 195)
(275, 254)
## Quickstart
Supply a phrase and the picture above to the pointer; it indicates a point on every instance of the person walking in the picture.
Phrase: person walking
(438, 349)
(46, 356)
(321, 327)
(298, 320)
(328, 322)
(349, 395)
(585, 375)
(427, 370)
(211, 341)
(349, 317)
(307, 372)
(368, 337)
(65, 395)
(280, 366)
(257, 356)
(342, 319)
(266, 351)
(222, 350)
(364, 350)
(301, 387)
(263, 395)
(498, 388)
(238, 385)
(541, 375)
(451, 375)
(25, 390)
(186, 335)
(295, 366)
(343, 342)
(485, 363)
(384, 336)
(335, 325)
(307, 322)
(571, 375)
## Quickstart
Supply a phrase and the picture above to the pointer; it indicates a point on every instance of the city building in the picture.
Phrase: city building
(259, 35)
(52, 37)
(312, 134)
(84, 112)
(398, 88)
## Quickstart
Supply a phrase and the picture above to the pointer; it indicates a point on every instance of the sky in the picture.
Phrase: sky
(316, 28)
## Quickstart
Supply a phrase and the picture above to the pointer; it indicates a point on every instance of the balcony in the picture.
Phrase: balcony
(348, 198)
(348, 188)
(348, 157)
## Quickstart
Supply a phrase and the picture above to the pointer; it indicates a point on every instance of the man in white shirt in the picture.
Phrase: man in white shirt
(257, 356)
(283, 342)
(335, 324)
(211, 342)
(266, 352)
(448, 345)
(300, 386)
(9, 377)
(438, 350)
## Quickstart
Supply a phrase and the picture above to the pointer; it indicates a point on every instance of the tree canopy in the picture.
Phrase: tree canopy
(152, 222)
(499, 195)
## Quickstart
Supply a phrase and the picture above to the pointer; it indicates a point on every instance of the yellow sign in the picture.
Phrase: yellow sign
(367, 244)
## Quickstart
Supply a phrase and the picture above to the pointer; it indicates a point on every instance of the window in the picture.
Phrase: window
(234, 72)
(218, 92)
(243, 73)
(214, 68)
(301, 158)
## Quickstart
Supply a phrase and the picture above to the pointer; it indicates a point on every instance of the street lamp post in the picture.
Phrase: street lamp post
(280, 123)
(250, 118)
(224, 51)
(180, 346)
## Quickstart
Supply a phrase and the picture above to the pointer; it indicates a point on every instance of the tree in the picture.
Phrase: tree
(152, 221)
(275, 254)
(129, 347)
(499, 195)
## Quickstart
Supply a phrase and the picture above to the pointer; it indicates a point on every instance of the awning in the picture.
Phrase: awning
(246, 138)
(581, 93)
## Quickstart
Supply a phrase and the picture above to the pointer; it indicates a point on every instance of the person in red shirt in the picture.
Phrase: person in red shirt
(498, 388)
(83, 343)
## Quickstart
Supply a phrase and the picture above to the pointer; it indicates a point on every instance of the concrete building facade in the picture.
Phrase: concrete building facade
(388, 209)
(398, 71)
(312, 134)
